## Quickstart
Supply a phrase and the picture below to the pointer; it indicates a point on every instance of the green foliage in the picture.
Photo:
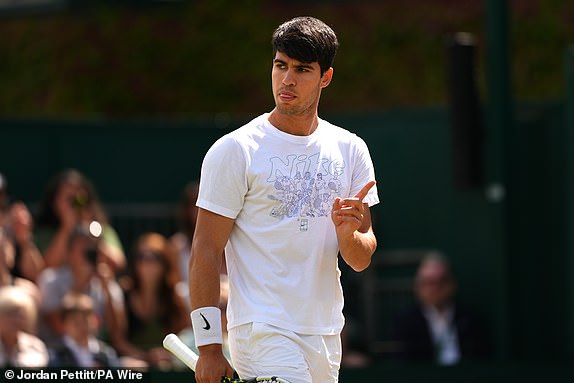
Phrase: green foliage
(199, 58)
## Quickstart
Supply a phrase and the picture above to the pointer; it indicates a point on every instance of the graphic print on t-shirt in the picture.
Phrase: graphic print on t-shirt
(305, 186)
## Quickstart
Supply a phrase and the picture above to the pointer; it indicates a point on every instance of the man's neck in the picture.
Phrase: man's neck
(442, 310)
(297, 125)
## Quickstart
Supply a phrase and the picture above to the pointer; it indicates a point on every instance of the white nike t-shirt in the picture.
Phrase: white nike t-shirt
(282, 252)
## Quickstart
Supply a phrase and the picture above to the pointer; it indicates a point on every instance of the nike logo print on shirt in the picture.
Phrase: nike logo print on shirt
(207, 325)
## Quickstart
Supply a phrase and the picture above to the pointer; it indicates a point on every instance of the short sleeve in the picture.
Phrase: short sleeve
(223, 182)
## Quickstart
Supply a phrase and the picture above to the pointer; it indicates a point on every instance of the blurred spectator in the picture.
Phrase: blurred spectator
(437, 328)
(19, 347)
(186, 217)
(3, 194)
(83, 273)
(182, 239)
(153, 306)
(7, 258)
(79, 346)
(69, 201)
(16, 227)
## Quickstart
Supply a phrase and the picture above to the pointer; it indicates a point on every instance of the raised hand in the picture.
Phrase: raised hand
(21, 222)
(348, 213)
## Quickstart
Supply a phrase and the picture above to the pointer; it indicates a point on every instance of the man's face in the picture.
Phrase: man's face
(13, 319)
(435, 285)
(80, 324)
(296, 85)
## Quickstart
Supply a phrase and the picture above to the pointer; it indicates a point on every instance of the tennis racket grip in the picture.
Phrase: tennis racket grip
(173, 344)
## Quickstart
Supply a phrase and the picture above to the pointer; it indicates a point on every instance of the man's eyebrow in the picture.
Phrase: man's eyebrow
(305, 66)
(300, 66)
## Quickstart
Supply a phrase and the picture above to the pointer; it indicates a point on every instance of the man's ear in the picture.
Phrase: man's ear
(327, 77)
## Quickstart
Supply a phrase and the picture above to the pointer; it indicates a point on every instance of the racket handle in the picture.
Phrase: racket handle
(173, 344)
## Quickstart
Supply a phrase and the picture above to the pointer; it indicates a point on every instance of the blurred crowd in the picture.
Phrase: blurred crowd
(72, 296)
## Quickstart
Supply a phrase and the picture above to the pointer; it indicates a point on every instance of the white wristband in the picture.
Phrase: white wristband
(206, 323)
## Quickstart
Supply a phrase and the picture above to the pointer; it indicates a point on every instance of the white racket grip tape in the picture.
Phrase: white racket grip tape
(173, 344)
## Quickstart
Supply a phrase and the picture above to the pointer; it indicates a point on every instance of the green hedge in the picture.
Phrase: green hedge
(193, 58)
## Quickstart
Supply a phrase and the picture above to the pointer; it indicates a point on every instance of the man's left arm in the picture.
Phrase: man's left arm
(352, 219)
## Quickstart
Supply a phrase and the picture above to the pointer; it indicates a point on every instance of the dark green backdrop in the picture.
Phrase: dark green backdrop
(521, 289)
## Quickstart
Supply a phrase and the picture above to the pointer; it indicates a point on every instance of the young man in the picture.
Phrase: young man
(281, 196)
(78, 346)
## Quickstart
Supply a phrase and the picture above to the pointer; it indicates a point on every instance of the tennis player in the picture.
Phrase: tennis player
(281, 196)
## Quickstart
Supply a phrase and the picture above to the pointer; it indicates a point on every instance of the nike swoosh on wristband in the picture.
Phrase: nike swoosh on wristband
(207, 325)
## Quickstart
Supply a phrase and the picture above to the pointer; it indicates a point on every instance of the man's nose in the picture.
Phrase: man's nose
(289, 78)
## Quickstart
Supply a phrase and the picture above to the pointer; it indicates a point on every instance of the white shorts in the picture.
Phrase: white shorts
(259, 349)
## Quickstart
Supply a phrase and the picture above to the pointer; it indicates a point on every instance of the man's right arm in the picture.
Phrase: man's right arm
(211, 234)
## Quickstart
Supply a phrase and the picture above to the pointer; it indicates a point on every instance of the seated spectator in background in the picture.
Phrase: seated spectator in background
(182, 239)
(70, 201)
(438, 329)
(81, 274)
(19, 347)
(153, 306)
(7, 258)
(78, 346)
(16, 226)
(186, 217)
(4, 200)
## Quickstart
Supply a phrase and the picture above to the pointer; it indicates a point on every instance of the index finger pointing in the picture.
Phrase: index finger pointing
(365, 190)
